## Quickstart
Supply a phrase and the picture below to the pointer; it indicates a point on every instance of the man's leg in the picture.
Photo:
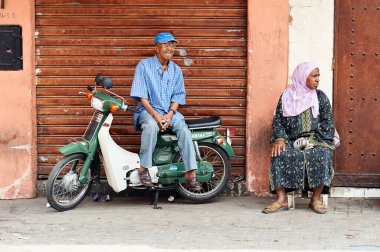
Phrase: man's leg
(186, 148)
(149, 134)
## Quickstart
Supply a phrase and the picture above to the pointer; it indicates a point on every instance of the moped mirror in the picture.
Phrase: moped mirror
(106, 83)
(98, 78)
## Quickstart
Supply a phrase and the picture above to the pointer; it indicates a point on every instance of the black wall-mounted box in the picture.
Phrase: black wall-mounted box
(10, 47)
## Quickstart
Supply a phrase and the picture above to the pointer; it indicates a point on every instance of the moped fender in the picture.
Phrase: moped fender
(80, 147)
(225, 146)
(209, 137)
(76, 147)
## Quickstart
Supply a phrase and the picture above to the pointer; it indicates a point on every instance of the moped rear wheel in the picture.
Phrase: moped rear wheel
(64, 190)
(216, 156)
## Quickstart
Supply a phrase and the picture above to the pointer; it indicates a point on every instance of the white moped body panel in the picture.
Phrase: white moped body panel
(117, 161)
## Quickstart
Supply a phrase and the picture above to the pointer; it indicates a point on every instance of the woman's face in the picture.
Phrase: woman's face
(312, 80)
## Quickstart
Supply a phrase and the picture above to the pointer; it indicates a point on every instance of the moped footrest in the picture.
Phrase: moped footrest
(174, 173)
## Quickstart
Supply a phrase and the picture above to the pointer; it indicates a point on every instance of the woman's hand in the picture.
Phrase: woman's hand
(277, 147)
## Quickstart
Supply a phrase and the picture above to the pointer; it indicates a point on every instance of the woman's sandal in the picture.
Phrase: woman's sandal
(274, 208)
(318, 207)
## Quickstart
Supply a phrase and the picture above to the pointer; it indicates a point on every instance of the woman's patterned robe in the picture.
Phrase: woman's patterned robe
(297, 169)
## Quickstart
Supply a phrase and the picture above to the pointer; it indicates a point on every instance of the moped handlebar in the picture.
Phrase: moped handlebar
(133, 110)
(126, 107)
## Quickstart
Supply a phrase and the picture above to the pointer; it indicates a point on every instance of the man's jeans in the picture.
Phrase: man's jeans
(149, 134)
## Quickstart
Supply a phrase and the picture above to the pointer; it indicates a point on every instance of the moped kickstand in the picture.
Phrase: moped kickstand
(154, 200)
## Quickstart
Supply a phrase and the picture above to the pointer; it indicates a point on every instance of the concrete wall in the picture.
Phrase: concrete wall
(281, 34)
(18, 109)
(311, 38)
(267, 73)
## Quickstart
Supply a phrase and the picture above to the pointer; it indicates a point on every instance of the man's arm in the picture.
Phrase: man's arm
(139, 88)
(173, 108)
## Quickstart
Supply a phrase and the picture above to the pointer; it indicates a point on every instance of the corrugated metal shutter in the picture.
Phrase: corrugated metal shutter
(76, 39)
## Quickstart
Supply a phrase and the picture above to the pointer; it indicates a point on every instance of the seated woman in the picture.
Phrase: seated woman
(302, 140)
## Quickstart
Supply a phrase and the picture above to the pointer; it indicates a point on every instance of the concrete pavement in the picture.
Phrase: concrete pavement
(225, 224)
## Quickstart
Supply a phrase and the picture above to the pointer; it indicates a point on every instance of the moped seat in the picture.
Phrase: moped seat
(204, 123)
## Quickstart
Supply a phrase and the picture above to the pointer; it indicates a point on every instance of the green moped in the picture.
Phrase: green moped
(72, 177)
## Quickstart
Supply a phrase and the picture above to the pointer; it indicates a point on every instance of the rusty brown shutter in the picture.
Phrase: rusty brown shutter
(76, 39)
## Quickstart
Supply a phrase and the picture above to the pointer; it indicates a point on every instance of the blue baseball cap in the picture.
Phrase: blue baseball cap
(164, 37)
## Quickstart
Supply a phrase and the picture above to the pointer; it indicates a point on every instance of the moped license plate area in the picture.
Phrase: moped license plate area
(174, 173)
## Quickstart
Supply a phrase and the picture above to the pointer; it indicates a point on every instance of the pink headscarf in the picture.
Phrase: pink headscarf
(297, 98)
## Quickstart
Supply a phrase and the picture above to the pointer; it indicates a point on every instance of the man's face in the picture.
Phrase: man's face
(312, 80)
(165, 51)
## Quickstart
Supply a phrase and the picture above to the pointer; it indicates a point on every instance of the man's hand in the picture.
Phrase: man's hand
(277, 147)
(168, 119)
(166, 125)
(160, 120)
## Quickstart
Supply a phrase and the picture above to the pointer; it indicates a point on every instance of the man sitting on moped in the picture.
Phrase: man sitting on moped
(159, 88)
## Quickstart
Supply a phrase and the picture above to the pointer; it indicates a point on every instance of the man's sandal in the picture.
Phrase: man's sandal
(193, 185)
(318, 207)
(145, 179)
(274, 208)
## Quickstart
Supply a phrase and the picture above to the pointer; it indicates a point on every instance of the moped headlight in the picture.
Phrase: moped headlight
(96, 103)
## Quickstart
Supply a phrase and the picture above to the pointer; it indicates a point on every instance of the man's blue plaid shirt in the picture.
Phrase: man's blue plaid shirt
(160, 90)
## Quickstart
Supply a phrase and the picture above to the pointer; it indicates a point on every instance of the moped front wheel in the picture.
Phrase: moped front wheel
(216, 156)
(64, 191)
